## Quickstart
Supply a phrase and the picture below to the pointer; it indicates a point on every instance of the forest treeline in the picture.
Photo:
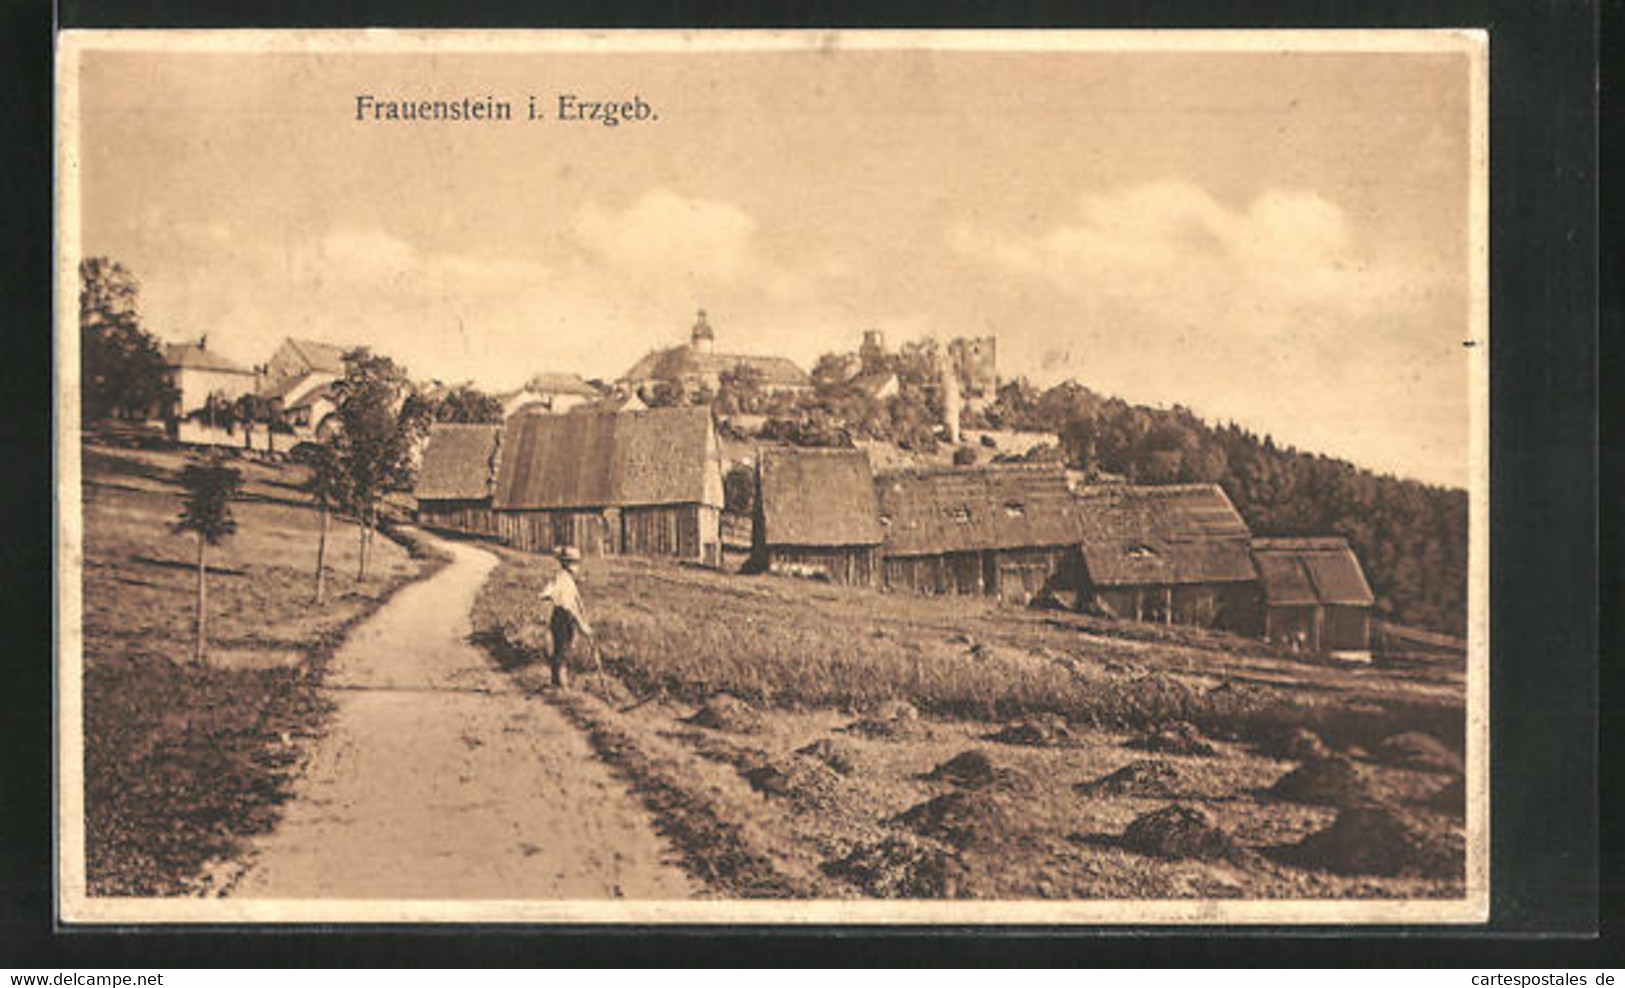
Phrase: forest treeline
(1411, 537)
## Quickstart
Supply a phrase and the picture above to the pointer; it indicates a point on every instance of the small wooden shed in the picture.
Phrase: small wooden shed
(1007, 530)
(1176, 553)
(640, 483)
(455, 479)
(1315, 594)
(816, 514)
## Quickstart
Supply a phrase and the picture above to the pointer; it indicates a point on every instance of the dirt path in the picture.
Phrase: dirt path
(438, 781)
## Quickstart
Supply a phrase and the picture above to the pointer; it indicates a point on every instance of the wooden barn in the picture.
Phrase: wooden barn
(1176, 554)
(816, 515)
(640, 483)
(455, 479)
(1008, 531)
(1315, 594)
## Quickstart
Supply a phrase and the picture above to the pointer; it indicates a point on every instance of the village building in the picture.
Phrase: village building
(975, 359)
(549, 394)
(696, 367)
(878, 386)
(456, 477)
(1006, 530)
(816, 515)
(1315, 594)
(1177, 554)
(619, 399)
(299, 377)
(303, 364)
(195, 372)
(639, 483)
(314, 413)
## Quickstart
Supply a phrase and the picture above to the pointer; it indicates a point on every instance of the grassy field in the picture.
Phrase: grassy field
(182, 762)
(803, 739)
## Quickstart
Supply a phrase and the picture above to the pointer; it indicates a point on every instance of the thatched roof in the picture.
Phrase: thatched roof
(1174, 534)
(817, 498)
(458, 463)
(968, 509)
(1306, 571)
(659, 456)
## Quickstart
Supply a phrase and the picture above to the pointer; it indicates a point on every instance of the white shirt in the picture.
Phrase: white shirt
(564, 593)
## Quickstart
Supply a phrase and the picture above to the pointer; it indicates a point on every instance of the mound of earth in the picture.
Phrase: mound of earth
(1380, 840)
(901, 867)
(1451, 798)
(962, 818)
(1177, 831)
(1296, 744)
(1147, 777)
(839, 756)
(1035, 732)
(807, 784)
(1175, 738)
(1325, 782)
(1413, 749)
(723, 712)
(974, 769)
(894, 719)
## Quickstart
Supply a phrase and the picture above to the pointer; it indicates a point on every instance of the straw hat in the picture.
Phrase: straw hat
(569, 554)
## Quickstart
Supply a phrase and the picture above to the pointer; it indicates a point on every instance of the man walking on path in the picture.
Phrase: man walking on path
(569, 614)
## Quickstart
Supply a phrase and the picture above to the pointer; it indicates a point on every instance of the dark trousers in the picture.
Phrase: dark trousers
(563, 626)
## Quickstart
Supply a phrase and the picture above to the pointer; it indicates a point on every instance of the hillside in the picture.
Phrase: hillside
(1411, 537)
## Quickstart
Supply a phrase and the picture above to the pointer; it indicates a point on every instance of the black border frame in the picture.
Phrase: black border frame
(1544, 481)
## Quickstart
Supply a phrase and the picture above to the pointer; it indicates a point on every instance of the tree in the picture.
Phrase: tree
(328, 487)
(663, 394)
(466, 403)
(832, 369)
(121, 367)
(739, 388)
(251, 410)
(739, 490)
(381, 420)
(206, 511)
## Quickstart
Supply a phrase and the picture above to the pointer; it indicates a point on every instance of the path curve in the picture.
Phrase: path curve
(438, 780)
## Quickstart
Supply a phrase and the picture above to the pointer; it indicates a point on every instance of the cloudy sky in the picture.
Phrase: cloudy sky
(1278, 239)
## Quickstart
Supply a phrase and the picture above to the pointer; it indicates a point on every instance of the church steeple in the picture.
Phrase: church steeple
(702, 338)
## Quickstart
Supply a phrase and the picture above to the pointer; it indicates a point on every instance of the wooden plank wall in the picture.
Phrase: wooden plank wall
(471, 517)
(850, 565)
(682, 531)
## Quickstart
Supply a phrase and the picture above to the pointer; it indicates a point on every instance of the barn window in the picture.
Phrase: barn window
(961, 515)
(1015, 509)
(1141, 551)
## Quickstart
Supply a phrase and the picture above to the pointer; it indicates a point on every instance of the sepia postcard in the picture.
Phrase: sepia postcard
(803, 477)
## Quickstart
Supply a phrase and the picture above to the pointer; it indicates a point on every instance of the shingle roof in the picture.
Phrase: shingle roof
(458, 462)
(660, 456)
(192, 356)
(318, 356)
(1304, 571)
(1179, 533)
(679, 362)
(972, 508)
(818, 498)
(558, 384)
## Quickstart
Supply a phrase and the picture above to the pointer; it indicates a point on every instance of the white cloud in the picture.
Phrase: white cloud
(1274, 312)
(664, 232)
(1174, 252)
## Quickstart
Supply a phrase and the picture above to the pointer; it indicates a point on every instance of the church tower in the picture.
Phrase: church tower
(702, 339)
